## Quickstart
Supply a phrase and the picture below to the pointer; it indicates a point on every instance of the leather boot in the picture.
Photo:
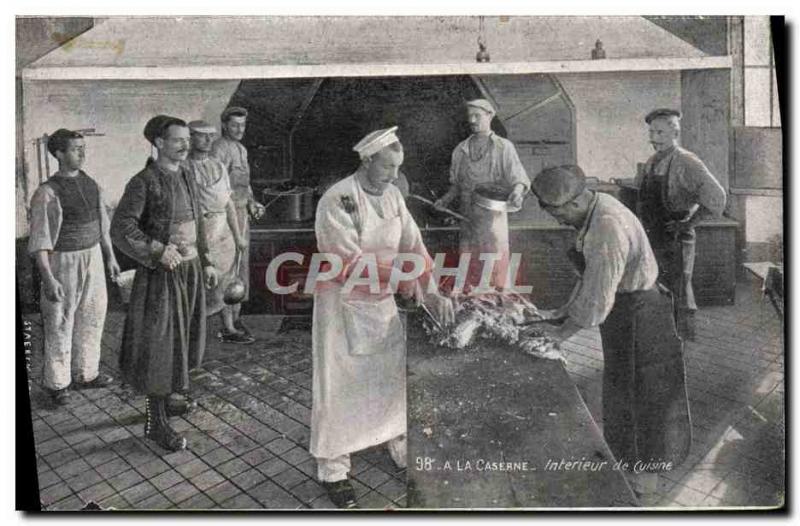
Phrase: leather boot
(341, 493)
(180, 405)
(156, 426)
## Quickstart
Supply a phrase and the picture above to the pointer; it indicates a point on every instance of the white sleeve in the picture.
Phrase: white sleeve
(336, 227)
(606, 252)
(46, 217)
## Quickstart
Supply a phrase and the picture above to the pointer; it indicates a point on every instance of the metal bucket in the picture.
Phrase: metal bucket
(235, 291)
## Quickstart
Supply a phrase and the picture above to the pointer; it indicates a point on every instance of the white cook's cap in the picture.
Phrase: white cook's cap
(375, 142)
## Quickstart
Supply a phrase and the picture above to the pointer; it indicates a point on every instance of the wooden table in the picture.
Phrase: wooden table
(485, 424)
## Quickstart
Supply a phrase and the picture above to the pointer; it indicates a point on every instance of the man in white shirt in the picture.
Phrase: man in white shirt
(229, 149)
(69, 236)
(645, 408)
(358, 342)
(485, 158)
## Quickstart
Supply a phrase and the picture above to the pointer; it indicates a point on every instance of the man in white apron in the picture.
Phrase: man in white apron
(485, 158)
(223, 236)
(359, 360)
(229, 149)
(69, 236)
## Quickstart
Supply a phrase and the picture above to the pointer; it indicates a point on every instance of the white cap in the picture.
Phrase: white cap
(202, 127)
(375, 142)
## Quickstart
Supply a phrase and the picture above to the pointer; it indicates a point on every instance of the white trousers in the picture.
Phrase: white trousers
(73, 327)
(335, 469)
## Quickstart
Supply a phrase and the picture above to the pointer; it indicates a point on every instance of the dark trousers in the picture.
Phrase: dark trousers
(645, 405)
(675, 259)
(165, 331)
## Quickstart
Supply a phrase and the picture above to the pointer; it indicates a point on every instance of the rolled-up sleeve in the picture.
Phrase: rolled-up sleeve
(126, 233)
(606, 251)
(512, 167)
(46, 217)
(704, 186)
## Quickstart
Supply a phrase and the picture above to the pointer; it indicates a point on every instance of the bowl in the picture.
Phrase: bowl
(493, 197)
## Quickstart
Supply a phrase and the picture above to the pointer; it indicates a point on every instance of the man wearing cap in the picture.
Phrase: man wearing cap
(676, 192)
(485, 158)
(221, 225)
(358, 350)
(159, 224)
(229, 149)
(645, 407)
(68, 238)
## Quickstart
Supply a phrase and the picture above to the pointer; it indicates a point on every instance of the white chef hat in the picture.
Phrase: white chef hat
(375, 142)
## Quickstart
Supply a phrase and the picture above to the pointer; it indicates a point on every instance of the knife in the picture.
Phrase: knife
(427, 311)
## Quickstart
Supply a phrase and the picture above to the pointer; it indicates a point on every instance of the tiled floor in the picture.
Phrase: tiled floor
(736, 395)
(249, 436)
(248, 439)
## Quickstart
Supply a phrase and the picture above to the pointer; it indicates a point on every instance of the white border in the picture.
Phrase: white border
(369, 70)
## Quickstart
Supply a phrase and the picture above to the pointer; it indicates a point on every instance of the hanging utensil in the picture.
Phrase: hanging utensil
(445, 210)
(235, 291)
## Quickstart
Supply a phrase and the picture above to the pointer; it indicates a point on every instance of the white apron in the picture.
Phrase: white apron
(359, 372)
(487, 231)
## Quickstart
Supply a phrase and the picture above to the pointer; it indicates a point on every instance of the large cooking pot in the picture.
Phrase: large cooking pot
(287, 202)
(493, 197)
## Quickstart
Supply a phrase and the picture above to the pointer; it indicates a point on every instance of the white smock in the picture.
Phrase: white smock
(359, 352)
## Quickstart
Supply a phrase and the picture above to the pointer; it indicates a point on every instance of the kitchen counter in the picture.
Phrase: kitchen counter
(468, 409)
(265, 229)
(544, 264)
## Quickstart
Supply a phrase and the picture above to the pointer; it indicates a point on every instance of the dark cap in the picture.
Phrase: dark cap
(558, 185)
(233, 111)
(156, 126)
(662, 113)
(57, 141)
